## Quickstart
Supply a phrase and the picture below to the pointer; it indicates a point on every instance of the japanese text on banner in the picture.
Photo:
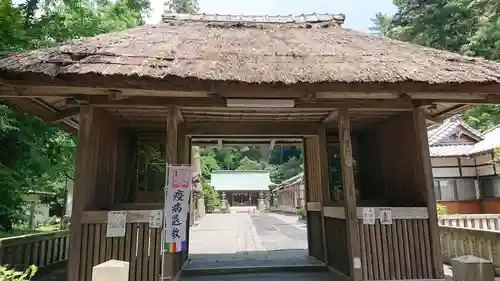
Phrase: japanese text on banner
(176, 207)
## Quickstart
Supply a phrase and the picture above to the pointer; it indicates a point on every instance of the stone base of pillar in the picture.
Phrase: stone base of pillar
(471, 268)
(262, 205)
(201, 207)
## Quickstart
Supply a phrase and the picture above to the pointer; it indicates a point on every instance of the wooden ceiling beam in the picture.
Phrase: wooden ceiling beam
(267, 129)
(65, 114)
(332, 116)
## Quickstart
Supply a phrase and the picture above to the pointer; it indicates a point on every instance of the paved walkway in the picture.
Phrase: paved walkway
(248, 240)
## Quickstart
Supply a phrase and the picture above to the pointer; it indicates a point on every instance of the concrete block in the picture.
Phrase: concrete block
(471, 268)
(112, 270)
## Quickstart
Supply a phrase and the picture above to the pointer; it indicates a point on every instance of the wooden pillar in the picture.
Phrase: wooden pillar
(349, 194)
(323, 164)
(82, 167)
(424, 173)
(171, 261)
(313, 183)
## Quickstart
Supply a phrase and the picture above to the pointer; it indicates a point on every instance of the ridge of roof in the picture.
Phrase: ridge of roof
(266, 19)
(437, 134)
(491, 129)
(239, 171)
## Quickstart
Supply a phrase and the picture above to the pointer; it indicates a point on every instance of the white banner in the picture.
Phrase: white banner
(176, 207)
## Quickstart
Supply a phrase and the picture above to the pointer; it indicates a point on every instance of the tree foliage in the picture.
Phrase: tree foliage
(469, 27)
(36, 156)
(183, 6)
(283, 163)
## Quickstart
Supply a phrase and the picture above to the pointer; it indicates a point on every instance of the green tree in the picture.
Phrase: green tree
(247, 164)
(469, 27)
(183, 6)
(36, 156)
(211, 198)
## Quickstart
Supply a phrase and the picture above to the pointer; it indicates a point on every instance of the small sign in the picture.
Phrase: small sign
(155, 219)
(385, 216)
(356, 263)
(116, 224)
(368, 215)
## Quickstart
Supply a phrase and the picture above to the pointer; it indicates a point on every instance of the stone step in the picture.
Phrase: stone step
(269, 276)
(254, 269)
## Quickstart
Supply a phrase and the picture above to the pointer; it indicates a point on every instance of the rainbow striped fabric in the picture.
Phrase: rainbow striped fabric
(174, 247)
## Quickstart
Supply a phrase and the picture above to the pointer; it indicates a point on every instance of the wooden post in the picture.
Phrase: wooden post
(423, 175)
(82, 182)
(307, 196)
(349, 194)
(172, 159)
(323, 164)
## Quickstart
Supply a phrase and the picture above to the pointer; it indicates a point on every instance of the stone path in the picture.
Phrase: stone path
(248, 240)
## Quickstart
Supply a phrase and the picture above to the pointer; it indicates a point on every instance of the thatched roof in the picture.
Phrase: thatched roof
(289, 50)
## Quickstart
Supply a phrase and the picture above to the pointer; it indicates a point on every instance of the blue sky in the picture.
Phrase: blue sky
(358, 12)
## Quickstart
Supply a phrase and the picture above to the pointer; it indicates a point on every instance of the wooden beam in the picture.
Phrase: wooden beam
(157, 102)
(267, 129)
(331, 117)
(349, 194)
(365, 104)
(113, 93)
(66, 114)
(217, 102)
(424, 176)
(179, 115)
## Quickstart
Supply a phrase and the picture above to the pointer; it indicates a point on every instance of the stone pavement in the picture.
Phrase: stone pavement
(248, 240)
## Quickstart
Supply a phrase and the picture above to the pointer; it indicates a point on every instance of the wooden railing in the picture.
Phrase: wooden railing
(460, 241)
(475, 221)
(40, 249)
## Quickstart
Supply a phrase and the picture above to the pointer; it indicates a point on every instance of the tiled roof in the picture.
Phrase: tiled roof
(487, 140)
(293, 180)
(491, 140)
(450, 150)
(437, 133)
(240, 180)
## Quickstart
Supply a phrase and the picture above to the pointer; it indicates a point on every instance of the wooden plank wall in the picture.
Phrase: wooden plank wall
(96, 159)
(336, 244)
(387, 173)
(395, 171)
(396, 252)
(140, 246)
(127, 161)
(312, 177)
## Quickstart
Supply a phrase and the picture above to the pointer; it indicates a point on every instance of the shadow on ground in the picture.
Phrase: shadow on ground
(276, 258)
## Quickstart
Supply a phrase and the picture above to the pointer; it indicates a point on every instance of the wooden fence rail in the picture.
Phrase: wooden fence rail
(475, 221)
(40, 249)
(460, 241)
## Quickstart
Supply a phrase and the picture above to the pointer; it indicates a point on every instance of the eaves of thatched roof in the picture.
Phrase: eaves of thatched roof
(309, 49)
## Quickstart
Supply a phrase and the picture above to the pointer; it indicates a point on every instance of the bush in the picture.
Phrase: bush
(211, 198)
(7, 274)
(302, 212)
(441, 209)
